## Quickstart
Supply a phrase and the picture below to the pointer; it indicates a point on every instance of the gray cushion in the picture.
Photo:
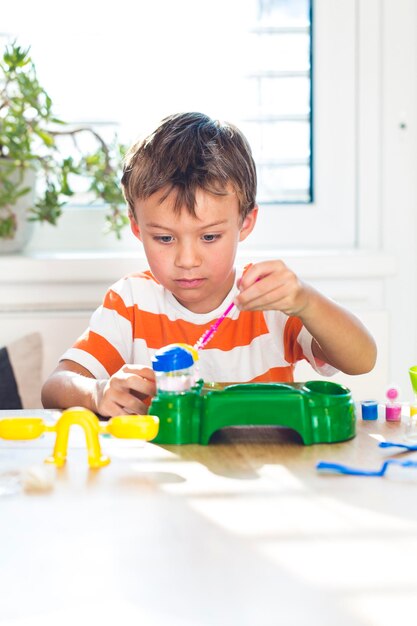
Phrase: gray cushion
(21, 373)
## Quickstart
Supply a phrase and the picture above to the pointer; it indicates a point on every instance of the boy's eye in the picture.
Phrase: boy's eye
(210, 238)
(163, 238)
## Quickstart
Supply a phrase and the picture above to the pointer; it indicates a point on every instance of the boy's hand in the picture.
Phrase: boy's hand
(272, 285)
(125, 391)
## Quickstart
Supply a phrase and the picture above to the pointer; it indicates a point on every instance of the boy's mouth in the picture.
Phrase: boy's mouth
(190, 283)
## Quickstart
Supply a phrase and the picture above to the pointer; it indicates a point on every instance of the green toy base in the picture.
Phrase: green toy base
(320, 411)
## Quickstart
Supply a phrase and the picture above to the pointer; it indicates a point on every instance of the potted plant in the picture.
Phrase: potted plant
(39, 167)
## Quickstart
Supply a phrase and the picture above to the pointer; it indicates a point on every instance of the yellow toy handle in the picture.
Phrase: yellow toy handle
(90, 424)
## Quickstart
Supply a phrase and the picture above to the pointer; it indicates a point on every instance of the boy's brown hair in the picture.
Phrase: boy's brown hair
(186, 152)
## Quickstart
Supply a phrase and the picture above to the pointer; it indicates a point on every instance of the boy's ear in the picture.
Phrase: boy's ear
(134, 227)
(248, 223)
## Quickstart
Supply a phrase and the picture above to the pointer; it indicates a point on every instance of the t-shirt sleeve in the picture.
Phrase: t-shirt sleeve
(298, 346)
(106, 345)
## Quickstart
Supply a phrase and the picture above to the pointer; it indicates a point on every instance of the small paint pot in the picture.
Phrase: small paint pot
(369, 410)
(393, 412)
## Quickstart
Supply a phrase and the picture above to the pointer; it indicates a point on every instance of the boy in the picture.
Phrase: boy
(190, 187)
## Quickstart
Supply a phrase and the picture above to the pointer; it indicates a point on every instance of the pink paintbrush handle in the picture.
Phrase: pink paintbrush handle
(207, 335)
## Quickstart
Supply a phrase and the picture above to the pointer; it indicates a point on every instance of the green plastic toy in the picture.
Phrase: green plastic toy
(320, 411)
(189, 412)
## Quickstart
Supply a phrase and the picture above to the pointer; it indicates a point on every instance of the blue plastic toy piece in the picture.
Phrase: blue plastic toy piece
(392, 444)
(338, 468)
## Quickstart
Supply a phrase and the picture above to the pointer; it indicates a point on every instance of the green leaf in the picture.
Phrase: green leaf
(46, 137)
(8, 226)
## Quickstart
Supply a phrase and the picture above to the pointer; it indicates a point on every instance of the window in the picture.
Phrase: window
(130, 64)
(278, 97)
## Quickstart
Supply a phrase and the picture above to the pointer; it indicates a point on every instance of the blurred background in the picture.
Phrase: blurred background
(325, 91)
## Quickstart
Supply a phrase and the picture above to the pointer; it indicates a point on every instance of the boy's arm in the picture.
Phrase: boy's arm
(72, 384)
(339, 338)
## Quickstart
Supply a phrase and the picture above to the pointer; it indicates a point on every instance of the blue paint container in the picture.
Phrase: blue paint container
(369, 410)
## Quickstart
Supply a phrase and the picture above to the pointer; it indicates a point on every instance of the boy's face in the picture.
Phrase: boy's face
(193, 257)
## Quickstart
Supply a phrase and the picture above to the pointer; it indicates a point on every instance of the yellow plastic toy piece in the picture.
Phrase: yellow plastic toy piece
(131, 427)
(22, 428)
(143, 427)
(90, 424)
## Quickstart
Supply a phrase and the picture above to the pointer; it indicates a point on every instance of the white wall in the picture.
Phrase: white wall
(399, 180)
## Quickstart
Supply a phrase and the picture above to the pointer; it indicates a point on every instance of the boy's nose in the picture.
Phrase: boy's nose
(187, 257)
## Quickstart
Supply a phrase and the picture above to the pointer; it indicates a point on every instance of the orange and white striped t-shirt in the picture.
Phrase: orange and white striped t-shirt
(139, 316)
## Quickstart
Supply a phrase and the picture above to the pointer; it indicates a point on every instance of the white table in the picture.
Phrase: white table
(241, 532)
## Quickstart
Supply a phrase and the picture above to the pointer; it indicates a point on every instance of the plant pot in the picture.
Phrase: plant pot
(23, 228)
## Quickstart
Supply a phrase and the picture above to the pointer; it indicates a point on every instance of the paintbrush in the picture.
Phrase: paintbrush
(208, 334)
